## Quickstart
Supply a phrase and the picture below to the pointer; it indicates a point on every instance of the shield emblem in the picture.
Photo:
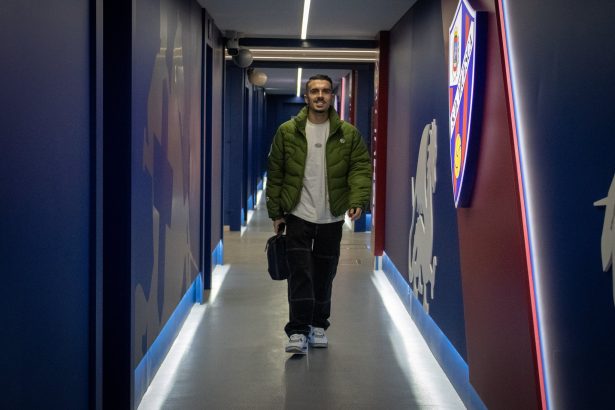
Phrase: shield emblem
(462, 98)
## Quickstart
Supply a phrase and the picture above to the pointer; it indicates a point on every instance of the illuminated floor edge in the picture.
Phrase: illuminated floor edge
(230, 352)
(164, 379)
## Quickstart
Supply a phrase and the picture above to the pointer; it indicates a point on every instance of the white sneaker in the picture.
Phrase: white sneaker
(317, 337)
(297, 344)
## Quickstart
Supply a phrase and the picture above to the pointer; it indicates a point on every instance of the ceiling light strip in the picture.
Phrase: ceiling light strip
(332, 59)
(306, 16)
(313, 55)
(312, 50)
(329, 59)
(299, 74)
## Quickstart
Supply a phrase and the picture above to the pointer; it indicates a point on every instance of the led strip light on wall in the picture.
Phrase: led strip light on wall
(525, 194)
(164, 380)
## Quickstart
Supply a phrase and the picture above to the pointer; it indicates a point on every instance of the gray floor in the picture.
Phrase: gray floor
(230, 353)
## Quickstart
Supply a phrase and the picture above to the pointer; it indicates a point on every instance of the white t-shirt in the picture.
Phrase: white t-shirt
(314, 203)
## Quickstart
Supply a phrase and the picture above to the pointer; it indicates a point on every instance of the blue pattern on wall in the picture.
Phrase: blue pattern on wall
(166, 161)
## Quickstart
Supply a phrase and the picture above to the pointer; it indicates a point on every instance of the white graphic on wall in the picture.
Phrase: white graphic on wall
(607, 243)
(421, 262)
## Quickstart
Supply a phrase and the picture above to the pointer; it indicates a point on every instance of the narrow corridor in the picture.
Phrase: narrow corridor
(230, 353)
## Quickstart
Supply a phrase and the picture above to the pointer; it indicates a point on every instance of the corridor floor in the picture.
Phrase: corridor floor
(230, 352)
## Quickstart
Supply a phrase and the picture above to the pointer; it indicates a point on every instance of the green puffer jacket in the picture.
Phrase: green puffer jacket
(349, 170)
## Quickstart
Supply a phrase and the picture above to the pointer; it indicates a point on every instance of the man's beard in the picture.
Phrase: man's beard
(320, 110)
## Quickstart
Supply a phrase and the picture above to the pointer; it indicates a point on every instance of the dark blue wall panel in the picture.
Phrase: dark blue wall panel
(215, 42)
(166, 161)
(243, 162)
(562, 59)
(233, 146)
(280, 108)
(45, 207)
(251, 105)
(417, 95)
(398, 198)
(261, 140)
(365, 99)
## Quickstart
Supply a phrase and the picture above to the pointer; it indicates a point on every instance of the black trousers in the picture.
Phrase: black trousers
(313, 252)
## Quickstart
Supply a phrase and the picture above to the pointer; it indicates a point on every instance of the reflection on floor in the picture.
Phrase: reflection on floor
(230, 352)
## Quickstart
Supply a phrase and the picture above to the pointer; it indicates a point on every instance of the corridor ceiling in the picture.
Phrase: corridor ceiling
(281, 19)
(329, 19)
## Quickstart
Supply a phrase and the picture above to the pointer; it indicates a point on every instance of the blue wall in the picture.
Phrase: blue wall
(280, 108)
(244, 141)
(417, 95)
(213, 39)
(235, 120)
(365, 99)
(175, 135)
(45, 171)
(562, 62)
(261, 138)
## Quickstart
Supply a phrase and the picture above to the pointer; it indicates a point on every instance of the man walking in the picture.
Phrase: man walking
(318, 169)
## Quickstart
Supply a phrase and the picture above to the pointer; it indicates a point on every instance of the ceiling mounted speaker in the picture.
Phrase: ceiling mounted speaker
(243, 58)
(257, 78)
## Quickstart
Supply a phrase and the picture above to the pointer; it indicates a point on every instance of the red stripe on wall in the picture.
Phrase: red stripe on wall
(465, 119)
(379, 145)
(497, 312)
(513, 124)
(466, 31)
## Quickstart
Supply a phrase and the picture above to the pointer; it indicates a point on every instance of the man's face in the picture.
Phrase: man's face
(319, 95)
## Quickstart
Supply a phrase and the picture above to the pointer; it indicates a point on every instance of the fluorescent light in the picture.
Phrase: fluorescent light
(303, 50)
(330, 59)
(299, 73)
(306, 16)
(313, 54)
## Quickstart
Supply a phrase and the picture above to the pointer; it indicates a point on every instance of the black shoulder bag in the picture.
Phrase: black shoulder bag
(276, 256)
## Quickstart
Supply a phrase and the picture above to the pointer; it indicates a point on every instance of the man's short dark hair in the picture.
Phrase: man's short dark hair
(318, 77)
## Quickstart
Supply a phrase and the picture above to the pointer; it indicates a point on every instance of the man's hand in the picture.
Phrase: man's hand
(276, 225)
(354, 213)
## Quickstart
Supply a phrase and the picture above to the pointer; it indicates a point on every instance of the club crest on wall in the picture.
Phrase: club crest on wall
(463, 97)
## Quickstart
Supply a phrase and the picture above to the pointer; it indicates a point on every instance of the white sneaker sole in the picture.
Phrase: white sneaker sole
(319, 345)
(296, 350)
